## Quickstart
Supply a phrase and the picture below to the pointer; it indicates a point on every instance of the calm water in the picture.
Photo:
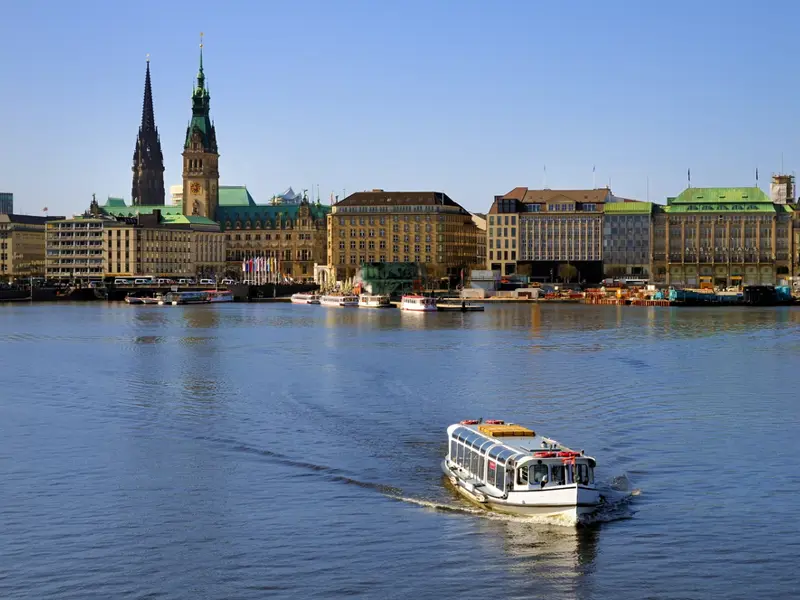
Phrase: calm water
(252, 451)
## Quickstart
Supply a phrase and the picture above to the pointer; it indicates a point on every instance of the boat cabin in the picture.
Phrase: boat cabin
(510, 457)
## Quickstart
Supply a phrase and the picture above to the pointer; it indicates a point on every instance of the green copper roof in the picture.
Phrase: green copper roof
(235, 195)
(188, 219)
(722, 200)
(144, 209)
(628, 208)
(727, 195)
(267, 214)
(114, 202)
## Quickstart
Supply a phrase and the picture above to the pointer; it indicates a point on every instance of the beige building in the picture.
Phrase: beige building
(74, 248)
(548, 234)
(144, 246)
(723, 237)
(428, 228)
(22, 245)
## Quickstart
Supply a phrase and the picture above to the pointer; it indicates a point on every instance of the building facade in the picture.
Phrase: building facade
(148, 161)
(626, 239)
(145, 245)
(6, 203)
(22, 245)
(74, 248)
(200, 155)
(548, 234)
(294, 234)
(723, 236)
(427, 228)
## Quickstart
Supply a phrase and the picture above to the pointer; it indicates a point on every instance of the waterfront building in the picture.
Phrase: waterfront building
(146, 244)
(6, 203)
(294, 234)
(22, 245)
(146, 247)
(626, 239)
(148, 162)
(548, 234)
(201, 155)
(74, 247)
(427, 228)
(722, 236)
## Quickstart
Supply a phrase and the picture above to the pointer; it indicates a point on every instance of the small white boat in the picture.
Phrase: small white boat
(305, 298)
(220, 295)
(374, 301)
(416, 303)
(510, 469)
(134, 300)
(339, 300)
(176, 298)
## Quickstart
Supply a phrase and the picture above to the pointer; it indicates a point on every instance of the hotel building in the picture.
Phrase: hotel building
(427, 228)
(535, 232)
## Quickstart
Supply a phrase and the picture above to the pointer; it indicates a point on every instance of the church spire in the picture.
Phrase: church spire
(148, 161)
(148, 117)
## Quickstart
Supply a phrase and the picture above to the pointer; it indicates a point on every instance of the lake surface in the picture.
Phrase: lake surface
(276, 450)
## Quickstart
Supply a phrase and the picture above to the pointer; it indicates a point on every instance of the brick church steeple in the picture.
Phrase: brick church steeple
(148, 162)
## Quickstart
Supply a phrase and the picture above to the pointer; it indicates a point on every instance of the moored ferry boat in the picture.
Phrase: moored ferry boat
(418, 303)
(175, 298)
(220, 295)
(339, 300)
(305, 298)
(373, 301)
(509, 468)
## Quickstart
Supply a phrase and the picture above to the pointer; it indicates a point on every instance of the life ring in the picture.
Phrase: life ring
(495, 422)
(544, 454)
(470, 422)
(568, 454)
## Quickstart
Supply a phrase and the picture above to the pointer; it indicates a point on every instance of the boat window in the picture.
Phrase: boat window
(522, 475)
(474, 461)
(539, 473)
(500, 482)
(460, 455)
(495, 451)
(559, 475)
(453, 445)
(481, 467)
(582, 474)
(491, 469)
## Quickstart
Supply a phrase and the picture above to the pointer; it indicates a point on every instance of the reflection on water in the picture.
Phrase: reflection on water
(252, 450)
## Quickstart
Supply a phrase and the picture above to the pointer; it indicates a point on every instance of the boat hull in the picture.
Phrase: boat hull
(569, 502)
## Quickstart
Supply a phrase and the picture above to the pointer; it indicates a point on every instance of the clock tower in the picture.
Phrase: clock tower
(200, 155)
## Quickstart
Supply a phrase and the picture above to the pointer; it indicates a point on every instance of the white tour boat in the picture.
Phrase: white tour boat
(220, 296)
(418, 303)
(374, 301)
(176, 298)
(339, 300)
(511, 469)
(305, 298)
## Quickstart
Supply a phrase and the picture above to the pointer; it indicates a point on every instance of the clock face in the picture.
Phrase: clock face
(195, 188)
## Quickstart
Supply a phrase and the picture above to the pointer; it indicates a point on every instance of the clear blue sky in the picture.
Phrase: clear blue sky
(469, 97)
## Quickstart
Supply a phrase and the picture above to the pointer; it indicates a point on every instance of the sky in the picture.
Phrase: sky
(471, 98)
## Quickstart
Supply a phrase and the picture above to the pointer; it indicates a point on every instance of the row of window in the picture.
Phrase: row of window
(237, 237)
(355, 260)
(502, 220)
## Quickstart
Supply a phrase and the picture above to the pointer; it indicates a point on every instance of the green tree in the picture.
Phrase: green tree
(566, 272)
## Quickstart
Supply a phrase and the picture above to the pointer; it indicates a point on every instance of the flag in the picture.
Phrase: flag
(756, 173)
(592, 168)
(44, 209)
(689, 175)
(244, 266)
(331, 197)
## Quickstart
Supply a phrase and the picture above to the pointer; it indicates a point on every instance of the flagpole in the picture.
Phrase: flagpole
(594, 178)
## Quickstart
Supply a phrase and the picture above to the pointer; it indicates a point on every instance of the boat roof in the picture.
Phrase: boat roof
(505, 440)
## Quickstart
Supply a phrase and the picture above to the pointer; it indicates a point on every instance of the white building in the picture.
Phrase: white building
(176, 193)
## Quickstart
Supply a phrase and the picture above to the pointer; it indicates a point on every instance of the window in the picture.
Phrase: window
(539, 473)
(522, 475)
